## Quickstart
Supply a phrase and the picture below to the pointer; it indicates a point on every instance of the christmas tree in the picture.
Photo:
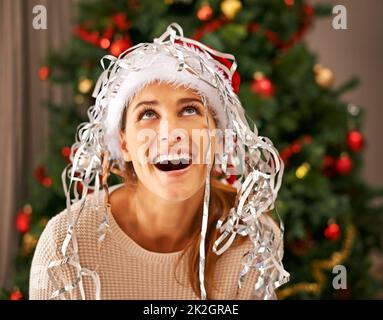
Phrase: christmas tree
(328, 210)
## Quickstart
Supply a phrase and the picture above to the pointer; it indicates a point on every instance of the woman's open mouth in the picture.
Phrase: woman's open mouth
(170, 166)
(172, 162)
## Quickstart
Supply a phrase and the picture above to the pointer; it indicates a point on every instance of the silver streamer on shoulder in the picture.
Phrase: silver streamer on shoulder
(262, 168)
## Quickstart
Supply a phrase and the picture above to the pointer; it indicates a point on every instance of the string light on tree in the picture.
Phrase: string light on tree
(324, 77)
(302, 170)
(230, 8)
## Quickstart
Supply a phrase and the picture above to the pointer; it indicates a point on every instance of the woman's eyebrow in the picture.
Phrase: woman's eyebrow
(155, 102)
(150, 103)
(186, 100)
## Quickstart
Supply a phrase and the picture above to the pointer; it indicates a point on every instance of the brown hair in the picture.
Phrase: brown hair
(222, 199)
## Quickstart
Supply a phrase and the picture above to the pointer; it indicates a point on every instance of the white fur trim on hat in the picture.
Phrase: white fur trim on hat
(163, 67)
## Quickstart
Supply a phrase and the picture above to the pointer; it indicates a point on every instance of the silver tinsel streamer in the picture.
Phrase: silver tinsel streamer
(258, 159)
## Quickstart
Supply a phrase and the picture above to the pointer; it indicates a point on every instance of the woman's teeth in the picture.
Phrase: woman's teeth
(183, 158)
(172, 162)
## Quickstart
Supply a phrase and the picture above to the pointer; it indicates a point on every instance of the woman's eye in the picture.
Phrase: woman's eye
(148, 114)
(189, 111)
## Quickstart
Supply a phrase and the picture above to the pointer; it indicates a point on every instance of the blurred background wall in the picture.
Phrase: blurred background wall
(24, 126)
(23, 119)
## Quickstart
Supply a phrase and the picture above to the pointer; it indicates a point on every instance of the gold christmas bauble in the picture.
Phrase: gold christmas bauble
(230, 8)
(84, 85)
(324, 77)
(79, 99)
(28, 244)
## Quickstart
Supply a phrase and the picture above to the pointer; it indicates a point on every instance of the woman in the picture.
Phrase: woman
(166, 119)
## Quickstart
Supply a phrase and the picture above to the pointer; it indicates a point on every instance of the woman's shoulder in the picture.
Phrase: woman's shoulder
(87, 214)
(48, 249)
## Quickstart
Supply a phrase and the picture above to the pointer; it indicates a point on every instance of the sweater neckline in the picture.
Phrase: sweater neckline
(132, 247)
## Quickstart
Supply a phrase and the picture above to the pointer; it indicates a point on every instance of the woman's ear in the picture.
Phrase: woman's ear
(124, 148)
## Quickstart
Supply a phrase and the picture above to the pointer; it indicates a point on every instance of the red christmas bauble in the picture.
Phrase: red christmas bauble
(106, 37)
(263, 86)
(65, 151)
(16, 295)
(344, 165)
(104, 43)
(120, 21)
(119, 46)
(308, 10)
(23, 221)
(205, 12)
(332, 232)
(307, 138)
(43, 73)
(289, 3)
(47, 182)
(108, 33)
(355, 140)
(296, 147)
(91, 37)
(328, 166)
(40, 173)
(286, 153)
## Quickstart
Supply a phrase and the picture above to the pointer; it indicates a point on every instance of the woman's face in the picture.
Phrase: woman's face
(166, 139)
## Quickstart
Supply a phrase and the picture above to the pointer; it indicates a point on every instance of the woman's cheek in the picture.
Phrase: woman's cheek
(143, 145)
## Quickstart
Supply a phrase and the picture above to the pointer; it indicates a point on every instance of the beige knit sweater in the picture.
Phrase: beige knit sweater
(126, 270)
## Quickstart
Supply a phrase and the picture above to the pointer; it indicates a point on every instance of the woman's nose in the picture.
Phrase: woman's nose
(171, 131)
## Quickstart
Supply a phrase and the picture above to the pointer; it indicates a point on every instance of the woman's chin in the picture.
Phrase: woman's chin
(176, 185)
